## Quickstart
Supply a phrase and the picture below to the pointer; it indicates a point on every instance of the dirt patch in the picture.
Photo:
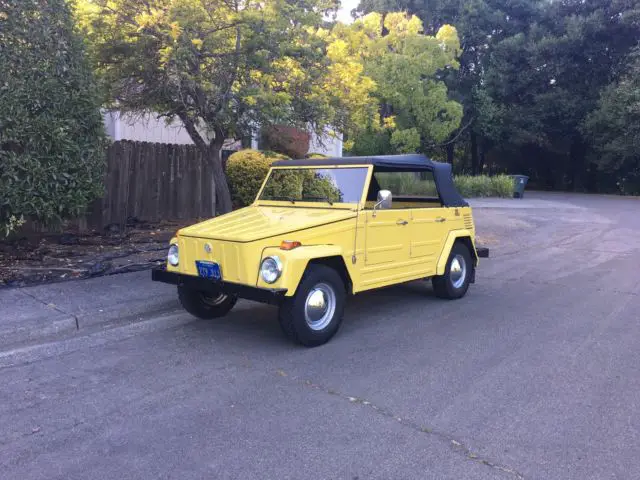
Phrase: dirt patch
(38, 259)
(486, 239)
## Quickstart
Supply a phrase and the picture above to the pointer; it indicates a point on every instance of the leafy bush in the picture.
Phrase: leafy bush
(407, 183)
(484, 186)
(302, 184)
(468, 186)
(287, 140)
(246, 170)
(51, 130)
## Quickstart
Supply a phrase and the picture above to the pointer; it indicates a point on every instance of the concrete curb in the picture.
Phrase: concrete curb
(43, 313)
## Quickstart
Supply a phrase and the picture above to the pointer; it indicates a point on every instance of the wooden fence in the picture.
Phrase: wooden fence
(152, 182)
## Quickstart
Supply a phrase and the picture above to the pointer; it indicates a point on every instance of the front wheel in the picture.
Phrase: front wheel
(457, 275)
(206, 306)
(313, 315)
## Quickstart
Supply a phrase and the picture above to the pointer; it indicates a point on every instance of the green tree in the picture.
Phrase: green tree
(543, 83)
(481, 25)
(404, 63)
(224, 68)
(51, 129)
(614, 127)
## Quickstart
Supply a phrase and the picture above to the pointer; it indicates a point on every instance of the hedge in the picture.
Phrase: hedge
(468, 186)
(484, 186)
(246, 170)
(52, 140)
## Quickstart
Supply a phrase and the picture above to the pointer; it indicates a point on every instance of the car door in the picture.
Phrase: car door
(386, 237)
(429, 228)
(404, 242)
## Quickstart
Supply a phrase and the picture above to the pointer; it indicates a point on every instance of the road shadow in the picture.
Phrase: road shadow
(253, 323)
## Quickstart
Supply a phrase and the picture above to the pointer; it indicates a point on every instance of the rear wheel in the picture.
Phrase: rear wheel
(457, 275)
(313, 315)
(204, 305)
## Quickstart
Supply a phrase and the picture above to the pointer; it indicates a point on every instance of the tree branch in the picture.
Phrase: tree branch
(453, 140)
(189, 125)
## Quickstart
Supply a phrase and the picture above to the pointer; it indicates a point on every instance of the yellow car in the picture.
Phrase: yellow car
(320, 230)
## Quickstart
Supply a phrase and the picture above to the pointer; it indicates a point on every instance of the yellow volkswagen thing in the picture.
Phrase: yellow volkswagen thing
(320, 230)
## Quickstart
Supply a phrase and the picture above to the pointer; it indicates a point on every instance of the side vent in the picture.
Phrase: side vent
(468, 222)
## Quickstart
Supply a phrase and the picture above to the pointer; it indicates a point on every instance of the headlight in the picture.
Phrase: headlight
(172, 256)
(270, 269)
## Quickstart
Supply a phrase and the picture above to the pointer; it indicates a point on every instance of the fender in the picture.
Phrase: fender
(448, 245)
(294, 263)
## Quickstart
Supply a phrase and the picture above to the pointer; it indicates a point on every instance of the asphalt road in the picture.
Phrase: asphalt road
(534, 374)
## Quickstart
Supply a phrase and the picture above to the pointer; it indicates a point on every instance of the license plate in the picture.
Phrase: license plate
(210, 270)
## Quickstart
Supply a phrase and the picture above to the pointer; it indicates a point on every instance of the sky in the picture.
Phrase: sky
(347, 6)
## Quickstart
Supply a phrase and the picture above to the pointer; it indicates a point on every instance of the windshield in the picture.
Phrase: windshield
(330, 185)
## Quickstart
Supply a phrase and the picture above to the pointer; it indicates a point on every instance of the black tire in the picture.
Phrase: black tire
(205, 306)
(292, 316)
(446, 286)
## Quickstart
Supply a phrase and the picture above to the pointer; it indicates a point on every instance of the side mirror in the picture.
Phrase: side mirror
(384, 200)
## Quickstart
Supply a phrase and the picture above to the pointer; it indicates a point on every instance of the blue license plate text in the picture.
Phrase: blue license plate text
(210, 270)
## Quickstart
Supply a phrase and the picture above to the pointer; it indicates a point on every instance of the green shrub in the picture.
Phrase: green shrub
(301, 184)
(407, 183)
(246, 170)
(290, 141)
(273, 155)
(468, 186)
(316, 155)
(51, 130)
(484, 186)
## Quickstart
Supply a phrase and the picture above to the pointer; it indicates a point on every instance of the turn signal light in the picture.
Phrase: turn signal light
(289, 244)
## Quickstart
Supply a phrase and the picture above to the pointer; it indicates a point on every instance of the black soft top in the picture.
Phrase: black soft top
(411, 162)
(442, 175)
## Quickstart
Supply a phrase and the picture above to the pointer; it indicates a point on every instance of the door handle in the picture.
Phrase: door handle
(401, 222)
(440, 219)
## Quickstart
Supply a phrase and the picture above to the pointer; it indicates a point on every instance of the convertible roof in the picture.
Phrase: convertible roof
(393, 162)
(447, 191)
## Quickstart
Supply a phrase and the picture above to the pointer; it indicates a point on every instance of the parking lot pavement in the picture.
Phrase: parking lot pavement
(532, 375)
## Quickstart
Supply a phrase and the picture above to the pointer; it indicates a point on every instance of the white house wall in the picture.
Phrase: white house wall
(331, 145)
(148, 128)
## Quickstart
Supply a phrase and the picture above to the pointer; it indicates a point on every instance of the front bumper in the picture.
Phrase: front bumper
(272, 296)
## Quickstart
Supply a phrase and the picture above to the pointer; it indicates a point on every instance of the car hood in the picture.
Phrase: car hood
(256, 223)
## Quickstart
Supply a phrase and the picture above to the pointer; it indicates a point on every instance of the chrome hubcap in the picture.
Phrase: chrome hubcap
(214, 300)
(458, 271)
(320, 306)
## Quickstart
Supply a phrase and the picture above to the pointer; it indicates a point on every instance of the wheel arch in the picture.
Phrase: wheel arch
(337, 263)
(457, 236)
(297, 261)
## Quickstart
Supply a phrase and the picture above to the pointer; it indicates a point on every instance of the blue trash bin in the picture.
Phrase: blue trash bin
(519, 182)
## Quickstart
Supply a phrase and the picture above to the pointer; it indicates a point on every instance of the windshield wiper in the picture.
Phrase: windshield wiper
(321, 197)
(288, 199)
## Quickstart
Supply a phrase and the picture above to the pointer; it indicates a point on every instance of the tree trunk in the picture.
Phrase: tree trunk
(212, 154)
(592, 178)
(481, 157)
(222, 203)
(450, 147)
(474, 153)
(576, 163)
(549, 174)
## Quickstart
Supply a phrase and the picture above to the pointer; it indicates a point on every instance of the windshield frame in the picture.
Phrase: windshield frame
(316, 203)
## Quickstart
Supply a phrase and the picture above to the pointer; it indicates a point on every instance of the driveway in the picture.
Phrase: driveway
(534, 374)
